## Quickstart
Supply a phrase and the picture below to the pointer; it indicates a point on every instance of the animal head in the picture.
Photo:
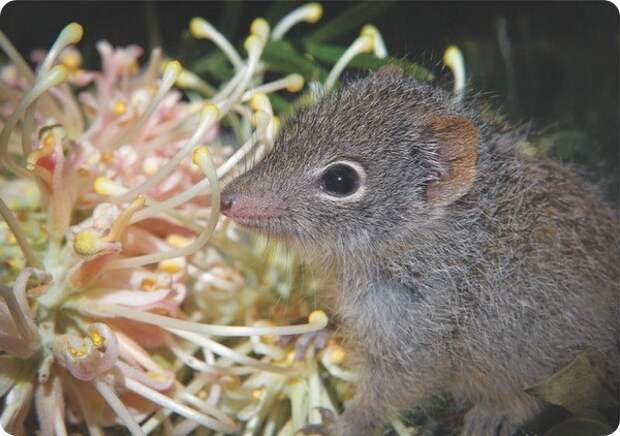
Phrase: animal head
(381, 156)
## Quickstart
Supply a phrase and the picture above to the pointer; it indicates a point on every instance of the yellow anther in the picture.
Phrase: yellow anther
(452, 55)
(71, 58)
(317, 317)
(106, 157)
(58, 74)
(336, 354)
(200, 154)
(295, 82)
(378, 45)
(260, 28)
(48, 139)
(147, 284)
(87, 243)
(83, 172)
(73, 33)
(172, 266)
(260, 102)
(252, 43)
(105, 186)
(133, 67)
(211, 110)
(77, 352)
(177, 240)
(369, 30)
(198, 27)
(367, 43)
(173, 67)
(257, 393)
(98, 340)
(119, 107)
(314, 12)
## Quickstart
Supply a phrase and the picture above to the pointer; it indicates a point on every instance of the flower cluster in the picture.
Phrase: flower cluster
(124, 297)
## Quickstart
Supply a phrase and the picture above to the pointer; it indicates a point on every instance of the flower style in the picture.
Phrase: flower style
(121, 288)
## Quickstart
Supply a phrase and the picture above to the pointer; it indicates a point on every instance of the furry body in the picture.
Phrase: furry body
(491, 288)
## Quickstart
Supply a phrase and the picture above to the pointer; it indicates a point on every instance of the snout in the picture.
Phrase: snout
(250, 209)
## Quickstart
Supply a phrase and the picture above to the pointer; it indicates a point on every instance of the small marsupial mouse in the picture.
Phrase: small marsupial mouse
(460, 266)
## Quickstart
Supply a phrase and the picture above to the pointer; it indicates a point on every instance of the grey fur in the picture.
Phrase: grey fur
(478, 299)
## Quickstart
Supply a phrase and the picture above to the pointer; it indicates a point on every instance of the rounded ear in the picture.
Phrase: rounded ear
(457, 140)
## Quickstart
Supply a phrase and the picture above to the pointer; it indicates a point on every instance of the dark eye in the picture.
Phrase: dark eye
(340, 180)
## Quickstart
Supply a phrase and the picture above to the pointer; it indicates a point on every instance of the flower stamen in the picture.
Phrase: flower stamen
(15, 300)
(118, 407)
(209, 116)
(20, 236)
(363, 44)
(201, 158)
(380, 50)
(71, 34)
(317, 320)
(292, 83)
(167, 402)
(201, 28)
(310, 13)
(54, 77)
(171, 73)
(453, 58)
(16, 58)
(189, 80)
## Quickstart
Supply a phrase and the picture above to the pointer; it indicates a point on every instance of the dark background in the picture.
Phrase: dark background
(561, 72)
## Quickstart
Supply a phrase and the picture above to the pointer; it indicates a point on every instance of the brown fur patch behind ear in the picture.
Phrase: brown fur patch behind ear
(458, 139)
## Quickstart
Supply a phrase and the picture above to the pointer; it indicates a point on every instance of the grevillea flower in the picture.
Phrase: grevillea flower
(125, 298)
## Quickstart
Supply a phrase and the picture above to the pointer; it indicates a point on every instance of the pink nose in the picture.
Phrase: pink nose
(235, 205)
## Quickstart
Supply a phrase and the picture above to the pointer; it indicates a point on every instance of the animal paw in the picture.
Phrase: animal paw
(315, 340)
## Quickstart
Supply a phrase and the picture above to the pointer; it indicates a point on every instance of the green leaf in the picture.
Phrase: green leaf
(349, 21)
(577, 387)
(282, 57)
(215, 64)
(279, 103)
(331, 53)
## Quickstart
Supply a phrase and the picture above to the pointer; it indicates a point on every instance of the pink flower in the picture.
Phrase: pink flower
(111, 285)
